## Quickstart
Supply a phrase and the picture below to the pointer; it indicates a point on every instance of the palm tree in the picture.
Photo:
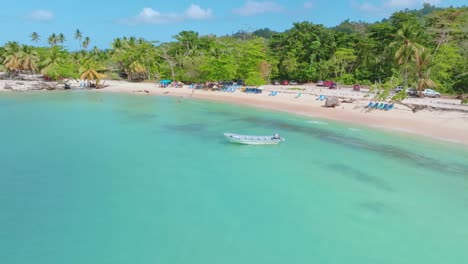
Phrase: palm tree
(117, 46)
(89, 73)
(79, 37)
(422, 61)
(29, 59)
(95, 51)
(136, 71)
(408, 38)
(85, 43)
(52, 40)
(35, 37)
(118, 52)
(56, 57)
(188, 40)
(76, 57)
(12, 57)
(61, 39)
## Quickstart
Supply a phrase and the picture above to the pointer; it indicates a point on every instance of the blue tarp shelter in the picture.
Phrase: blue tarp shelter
(165, 81)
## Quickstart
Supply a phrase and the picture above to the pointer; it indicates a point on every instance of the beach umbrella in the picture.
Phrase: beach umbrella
(165, 81)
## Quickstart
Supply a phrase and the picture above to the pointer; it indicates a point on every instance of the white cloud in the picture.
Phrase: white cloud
(369, 8)
(41, 15)
(251, 8)
(401, 3)
(387, 6)
(196, 12)
(150, 16)
(309, 5)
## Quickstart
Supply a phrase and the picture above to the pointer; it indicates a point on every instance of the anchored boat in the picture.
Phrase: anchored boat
(254, 140)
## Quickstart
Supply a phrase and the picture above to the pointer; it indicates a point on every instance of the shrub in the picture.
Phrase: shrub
(254, 79)
(62, 71)
(347, 78)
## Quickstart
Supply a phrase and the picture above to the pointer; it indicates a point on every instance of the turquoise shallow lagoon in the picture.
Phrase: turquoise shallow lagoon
(114, 178)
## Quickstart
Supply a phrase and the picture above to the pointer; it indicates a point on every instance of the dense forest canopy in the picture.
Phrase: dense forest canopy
(419, 48)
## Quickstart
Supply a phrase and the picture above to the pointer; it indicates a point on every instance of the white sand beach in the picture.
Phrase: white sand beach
(449, 124)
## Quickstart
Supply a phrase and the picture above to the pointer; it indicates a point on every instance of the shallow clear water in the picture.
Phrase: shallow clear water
(110, 178)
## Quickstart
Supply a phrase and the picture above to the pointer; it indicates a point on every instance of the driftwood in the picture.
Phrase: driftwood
(413, 107)
(93, 84)
(348, 101)
(48, 85)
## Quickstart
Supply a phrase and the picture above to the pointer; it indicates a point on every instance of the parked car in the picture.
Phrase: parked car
(399, 88)
(356, 87)
(430, 93)
(319, 83)
(332, 85)
(276, 82)
(226, 83)
(412, 91)
(292, 82)
(285, 82)
(327, 83)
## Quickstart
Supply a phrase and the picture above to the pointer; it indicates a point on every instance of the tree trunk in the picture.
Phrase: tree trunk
(172, 71)
(414, 109)
(439, 43)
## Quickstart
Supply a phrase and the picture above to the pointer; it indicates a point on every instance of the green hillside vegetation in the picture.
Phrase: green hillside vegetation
(415, 48)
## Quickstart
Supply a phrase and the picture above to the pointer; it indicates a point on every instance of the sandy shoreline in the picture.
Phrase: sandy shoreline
(449, 126)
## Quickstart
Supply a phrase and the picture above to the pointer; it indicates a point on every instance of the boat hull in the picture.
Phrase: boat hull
(252, 140)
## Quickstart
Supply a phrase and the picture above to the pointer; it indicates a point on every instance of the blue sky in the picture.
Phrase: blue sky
(104, 20)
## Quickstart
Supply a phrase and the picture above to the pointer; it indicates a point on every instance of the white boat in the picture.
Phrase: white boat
(254, 140)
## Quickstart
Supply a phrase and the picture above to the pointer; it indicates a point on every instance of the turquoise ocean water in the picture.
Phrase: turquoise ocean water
(111, 178)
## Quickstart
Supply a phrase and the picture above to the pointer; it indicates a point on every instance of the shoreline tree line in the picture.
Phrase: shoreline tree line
(420, 48)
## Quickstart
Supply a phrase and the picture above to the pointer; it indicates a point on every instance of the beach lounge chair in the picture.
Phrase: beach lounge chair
(298, 95)
(382, 106)
(273, 93)
(389, 107)
(374, 105)
(321, 97)
(369, 105)
(377, 105)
